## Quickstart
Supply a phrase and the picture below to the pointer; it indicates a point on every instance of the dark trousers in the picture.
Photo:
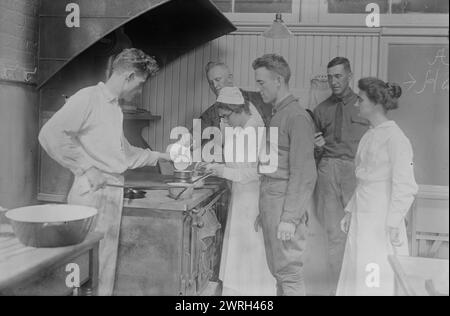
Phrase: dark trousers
(283, 257)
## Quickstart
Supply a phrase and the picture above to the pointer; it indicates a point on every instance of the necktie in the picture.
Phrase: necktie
(338, 117)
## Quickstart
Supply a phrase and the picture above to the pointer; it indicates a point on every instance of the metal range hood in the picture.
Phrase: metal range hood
(70, 59)
(165, 29)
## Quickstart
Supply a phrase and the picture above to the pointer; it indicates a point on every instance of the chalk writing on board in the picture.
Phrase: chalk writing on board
(440, 56)
(445, 85)
(430, 79)
(432, 75)
(411, 83)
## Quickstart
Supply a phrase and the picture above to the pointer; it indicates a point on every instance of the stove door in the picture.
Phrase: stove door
(206, 242)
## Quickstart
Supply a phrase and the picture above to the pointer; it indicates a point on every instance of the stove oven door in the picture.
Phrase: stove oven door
(206, 242)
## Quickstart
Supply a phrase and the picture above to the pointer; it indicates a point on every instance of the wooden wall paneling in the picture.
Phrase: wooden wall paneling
(204, 82)
(189, 103)
(261, 46)
(326, 44)
(301, 65)
(374, 56)
(229, 56)
(308, 59)
(152, 106)
(184, 83)
(367, 56)
(269, 45)
(237, 60)
(245, 62)
(168, 105)
(285, 50)
(316, 56)
(253, 54)
(223, 41)
(350, 53)
(160, 109)
(293, 60)
(276, 47)
(342, 46)
(198, 85)
(175, 94)
(358, 60)
(180, 91)
(334, 43)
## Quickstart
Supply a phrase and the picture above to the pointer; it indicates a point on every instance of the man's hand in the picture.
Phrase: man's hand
(216, 168)
(96, 178)
(286, 231)
(257, 222)
(345, 222)
(394, 236)
(319, 141)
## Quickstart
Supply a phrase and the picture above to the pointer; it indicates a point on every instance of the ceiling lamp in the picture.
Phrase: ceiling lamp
(278, 30)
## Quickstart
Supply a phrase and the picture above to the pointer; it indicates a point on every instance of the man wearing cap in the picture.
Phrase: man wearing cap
(286, 188)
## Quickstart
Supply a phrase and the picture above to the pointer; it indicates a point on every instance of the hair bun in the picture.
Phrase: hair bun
(395, 91)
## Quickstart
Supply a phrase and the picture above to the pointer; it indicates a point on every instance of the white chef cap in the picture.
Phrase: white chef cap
(230, 95)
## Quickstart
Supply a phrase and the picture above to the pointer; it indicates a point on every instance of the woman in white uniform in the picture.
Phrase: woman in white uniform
(244, 269)
(386, 187)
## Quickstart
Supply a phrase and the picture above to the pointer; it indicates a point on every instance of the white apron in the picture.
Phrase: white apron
(244, 270)
(108, 201)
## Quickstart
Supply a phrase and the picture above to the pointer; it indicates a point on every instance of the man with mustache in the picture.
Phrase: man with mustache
(219, 75)
(339, 131)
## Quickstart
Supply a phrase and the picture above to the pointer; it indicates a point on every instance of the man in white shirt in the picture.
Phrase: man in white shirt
(86, 136)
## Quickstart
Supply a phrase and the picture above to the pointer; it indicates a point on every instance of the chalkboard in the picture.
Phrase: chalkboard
(423, 72)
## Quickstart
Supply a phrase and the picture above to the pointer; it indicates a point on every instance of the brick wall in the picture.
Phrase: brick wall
(18, 39)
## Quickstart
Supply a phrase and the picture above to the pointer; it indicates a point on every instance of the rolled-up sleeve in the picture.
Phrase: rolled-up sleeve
(404, 186)
(58, 137)
(302, 169)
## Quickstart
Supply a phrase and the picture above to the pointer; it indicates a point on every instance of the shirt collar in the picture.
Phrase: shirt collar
(284, 102)
(349, 97)
(389, 123)
(107, 93)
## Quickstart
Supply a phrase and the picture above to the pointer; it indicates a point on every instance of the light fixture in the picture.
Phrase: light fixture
(278, 30)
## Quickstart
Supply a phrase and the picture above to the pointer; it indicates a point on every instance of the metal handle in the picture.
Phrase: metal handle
(211, 203)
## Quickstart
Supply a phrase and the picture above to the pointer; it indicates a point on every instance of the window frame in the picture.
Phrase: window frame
(386, 20)
(289, 18)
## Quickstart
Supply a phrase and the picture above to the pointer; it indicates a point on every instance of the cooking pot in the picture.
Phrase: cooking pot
(51, 225)
(183, 175)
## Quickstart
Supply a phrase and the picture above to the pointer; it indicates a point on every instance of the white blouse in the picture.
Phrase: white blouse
(385, 154)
